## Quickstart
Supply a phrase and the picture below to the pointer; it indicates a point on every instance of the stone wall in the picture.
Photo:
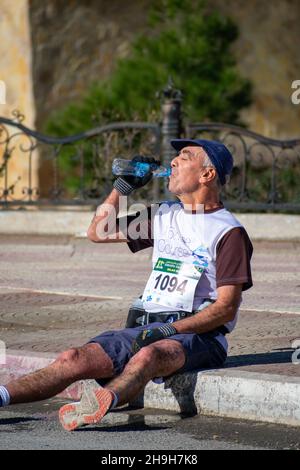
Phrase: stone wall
(15, 72)
(76, 42)
(58, 47)
(268, 54)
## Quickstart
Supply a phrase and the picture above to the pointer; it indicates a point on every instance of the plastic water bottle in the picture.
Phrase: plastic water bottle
(127, 167)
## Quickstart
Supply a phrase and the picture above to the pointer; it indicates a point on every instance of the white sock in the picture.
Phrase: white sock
(115, 401)
(4, 396)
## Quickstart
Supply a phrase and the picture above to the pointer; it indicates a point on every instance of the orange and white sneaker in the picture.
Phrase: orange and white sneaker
(93, 406)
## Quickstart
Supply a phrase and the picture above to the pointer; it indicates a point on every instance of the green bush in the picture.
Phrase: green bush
(187, 44)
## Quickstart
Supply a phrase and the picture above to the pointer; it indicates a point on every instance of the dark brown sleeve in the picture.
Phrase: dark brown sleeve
(139, 233)
(234, 252)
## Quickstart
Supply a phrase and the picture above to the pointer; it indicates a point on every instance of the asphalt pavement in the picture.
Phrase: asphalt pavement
(35, 426)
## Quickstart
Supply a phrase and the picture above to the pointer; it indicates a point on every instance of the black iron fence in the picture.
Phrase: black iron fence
(266, 173)
(74, 170)
(38, 170)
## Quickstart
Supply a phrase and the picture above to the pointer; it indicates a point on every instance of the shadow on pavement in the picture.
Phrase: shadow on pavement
(20, 420)
(282, 357)
(138, 426)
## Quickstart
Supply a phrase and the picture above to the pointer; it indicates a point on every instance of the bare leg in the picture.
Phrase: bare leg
(159, 359)
(87, 362)
(156, 360)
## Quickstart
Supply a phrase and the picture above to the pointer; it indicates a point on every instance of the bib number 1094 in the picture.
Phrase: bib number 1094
(170, 283)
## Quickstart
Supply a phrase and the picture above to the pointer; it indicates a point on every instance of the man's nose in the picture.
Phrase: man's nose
(174, 162)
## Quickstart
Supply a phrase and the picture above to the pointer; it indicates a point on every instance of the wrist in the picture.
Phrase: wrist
(123, 187)
(168, 329)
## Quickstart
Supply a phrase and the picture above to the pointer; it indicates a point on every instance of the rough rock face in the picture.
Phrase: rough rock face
(77, 42)
(15, 72)
(267, 52)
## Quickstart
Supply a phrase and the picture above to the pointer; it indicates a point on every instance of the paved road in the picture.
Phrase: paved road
(81, 267)
(36, 426)
(57, 292)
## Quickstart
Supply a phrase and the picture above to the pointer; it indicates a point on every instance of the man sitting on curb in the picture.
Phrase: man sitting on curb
(201, 264)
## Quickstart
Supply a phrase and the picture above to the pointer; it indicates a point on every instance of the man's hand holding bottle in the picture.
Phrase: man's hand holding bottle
(136, 173)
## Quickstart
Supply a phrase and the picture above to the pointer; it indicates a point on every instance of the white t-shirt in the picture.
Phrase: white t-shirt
(192, 239)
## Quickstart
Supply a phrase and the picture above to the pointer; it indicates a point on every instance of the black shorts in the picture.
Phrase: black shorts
(202, 351)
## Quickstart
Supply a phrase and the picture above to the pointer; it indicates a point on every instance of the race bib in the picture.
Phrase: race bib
(172, 283)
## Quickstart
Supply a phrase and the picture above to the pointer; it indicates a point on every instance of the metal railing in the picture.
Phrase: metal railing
(266, 173)
(76, 170)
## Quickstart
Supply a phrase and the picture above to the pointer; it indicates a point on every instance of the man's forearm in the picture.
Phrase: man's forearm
(104, 222)
(113, 199)
(208, 319)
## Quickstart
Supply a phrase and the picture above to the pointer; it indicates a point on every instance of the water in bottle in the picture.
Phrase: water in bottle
(128, 167)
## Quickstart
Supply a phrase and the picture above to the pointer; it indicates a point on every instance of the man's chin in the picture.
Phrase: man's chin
(171, 188)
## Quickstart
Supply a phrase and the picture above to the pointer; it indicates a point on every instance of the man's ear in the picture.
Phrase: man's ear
(207, 175)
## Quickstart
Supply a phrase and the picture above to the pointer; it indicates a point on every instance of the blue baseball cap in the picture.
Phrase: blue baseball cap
(219, 155)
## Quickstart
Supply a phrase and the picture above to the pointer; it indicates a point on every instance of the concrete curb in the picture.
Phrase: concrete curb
(280, 227)
(234, 394)
(223, 392)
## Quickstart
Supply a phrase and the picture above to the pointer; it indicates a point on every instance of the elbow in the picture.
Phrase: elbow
(91, 235)
(94, 237)
(230, 313)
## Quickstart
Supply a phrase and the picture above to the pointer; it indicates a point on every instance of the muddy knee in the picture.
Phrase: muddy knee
(70, 356)
(88, 361)
(160, 358)
(147, 358)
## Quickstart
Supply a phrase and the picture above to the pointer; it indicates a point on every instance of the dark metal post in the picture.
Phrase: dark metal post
(171, 124)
